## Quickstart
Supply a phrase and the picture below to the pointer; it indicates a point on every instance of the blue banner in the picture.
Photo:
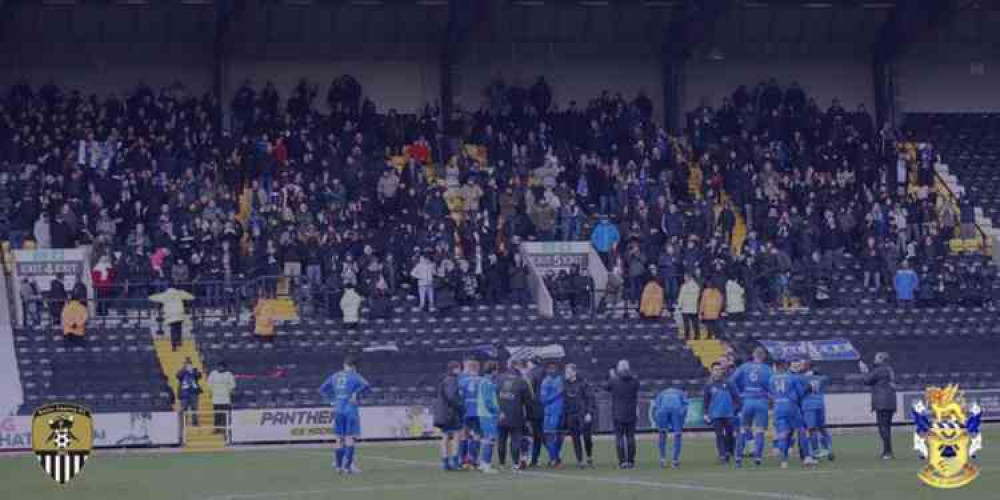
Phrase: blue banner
(814, 350)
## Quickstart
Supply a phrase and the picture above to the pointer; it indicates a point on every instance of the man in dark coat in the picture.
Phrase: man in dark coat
(448, 414)
(56, 298)
(514, 397)
(881, 378)
(579, 408)
(624, 389)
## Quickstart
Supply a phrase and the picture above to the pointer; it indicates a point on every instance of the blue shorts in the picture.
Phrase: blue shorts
(815, 419)
(345, 425)
(787, 423)
(471, 424)
(488, 427)
(754, 413)
(670, 420)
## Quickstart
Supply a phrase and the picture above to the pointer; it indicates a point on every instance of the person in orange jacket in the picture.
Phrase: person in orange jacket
(711, 307)
(74, 321)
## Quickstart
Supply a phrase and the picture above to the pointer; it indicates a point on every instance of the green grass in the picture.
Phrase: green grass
(410, 472)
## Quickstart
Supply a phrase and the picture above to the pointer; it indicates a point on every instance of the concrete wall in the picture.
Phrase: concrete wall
(936, 80)
(847, 79)
(575, 73)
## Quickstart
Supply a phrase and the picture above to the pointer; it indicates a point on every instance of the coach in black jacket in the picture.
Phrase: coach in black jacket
(624, 389)
(579, 408)
(515, 399)
(881, 378)
(448, 413)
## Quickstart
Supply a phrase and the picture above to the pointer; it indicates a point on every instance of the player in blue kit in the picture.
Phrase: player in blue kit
(468, 386)
(753, 380)
(342, 390)
(552, 404)
(814, 412)
(788, 391)
(667, 413)
(488, 408)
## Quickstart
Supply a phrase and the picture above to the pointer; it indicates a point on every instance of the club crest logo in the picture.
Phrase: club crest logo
(947, 436)
(62, 436)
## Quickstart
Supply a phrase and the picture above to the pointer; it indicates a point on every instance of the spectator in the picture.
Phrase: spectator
(651, 305)
(103, 279)
(31, 302)
(222, 384)
(188, 390)
(74, 322)
(57, 298)
(735, 300)
(687, 301)
(263, 319)
(519, 281)
(423, 272)
(350, 306)
(173, 314)
(604, 238)
(906, 282)
(711, 308)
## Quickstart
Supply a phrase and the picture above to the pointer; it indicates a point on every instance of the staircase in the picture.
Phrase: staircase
(708, 351)
(202, 437)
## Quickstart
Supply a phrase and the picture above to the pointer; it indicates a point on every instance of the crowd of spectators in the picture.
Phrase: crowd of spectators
(342, 196)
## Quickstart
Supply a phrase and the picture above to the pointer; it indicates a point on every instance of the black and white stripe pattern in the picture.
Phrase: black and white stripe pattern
(62, 467)
(948, 424)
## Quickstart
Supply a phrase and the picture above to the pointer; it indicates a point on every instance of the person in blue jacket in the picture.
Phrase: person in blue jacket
(604, 237)
(468, 386)
(720, 401)
(753, 380)
(906, 282)
(814, 412)
(342, 390)
(552, 403)
(667, 413)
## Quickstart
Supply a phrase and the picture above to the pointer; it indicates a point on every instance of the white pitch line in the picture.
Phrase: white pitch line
(357, 489)
(625, 481)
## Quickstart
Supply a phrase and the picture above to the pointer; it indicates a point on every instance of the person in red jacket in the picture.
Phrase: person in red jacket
(103, 276)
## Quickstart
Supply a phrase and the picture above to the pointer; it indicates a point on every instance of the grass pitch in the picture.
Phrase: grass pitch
(411, 472)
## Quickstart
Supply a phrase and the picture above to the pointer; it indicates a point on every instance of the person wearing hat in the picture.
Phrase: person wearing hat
(188, 389)
(222, 383)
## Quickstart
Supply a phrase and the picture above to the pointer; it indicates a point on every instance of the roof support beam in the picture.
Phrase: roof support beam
(692, 23)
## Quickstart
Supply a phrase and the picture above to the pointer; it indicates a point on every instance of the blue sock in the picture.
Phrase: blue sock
(814, 440)
(339, 454)
(446, 463)
(805, 448)
(758, 445)
(678, 444)
(487, 453)
(550, 447)
(661, 444)
(456, 461)
(558, 445)
(826, 440)
(474, 451)
(783, 443)
(741, 443)
(463, 449)
(349, 457)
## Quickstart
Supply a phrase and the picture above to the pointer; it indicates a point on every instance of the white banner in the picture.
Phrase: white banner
(316, 424)
(111, 430)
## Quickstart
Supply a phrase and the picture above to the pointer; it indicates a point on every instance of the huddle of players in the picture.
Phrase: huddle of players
(736, 402)
(523, 408)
